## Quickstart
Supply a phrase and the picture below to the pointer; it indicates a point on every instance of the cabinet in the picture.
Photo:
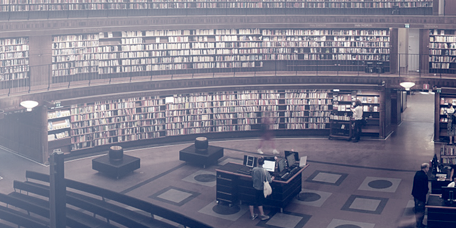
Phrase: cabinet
(442, 51)
(14, 59)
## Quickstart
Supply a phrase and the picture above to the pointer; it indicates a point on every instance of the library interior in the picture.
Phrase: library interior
(151, 113)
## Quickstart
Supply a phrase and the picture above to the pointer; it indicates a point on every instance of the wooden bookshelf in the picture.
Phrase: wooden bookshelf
(58, 124)
(75, 54)
(130, 53)
(14, 59)
(447, 155)
(344, 100)
(442, 51)
(144, 118)
(116, 121)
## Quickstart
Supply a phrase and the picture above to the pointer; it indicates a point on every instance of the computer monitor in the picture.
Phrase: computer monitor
(269, 165)
(250, 161)
(282, 165)
(296, 154)
(291, 160)
(448, 193)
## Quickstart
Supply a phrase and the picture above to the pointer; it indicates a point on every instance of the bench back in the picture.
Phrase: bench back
(124, 199)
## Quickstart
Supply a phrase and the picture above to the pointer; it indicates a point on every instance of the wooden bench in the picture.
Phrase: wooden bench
(109, 211)
(124, 199)
(21, 219)
(40, 207)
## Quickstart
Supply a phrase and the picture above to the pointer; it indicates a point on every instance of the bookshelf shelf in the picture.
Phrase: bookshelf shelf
(218, 50)
(14, 58)
(442, 51)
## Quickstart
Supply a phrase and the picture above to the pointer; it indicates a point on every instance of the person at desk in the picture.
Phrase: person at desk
(451, 128)
(259, 175)
(419, 192)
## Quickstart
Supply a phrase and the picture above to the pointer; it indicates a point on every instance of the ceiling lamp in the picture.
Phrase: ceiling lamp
(407, 85)
(29, 105)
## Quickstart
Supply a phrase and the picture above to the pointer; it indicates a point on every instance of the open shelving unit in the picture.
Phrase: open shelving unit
(442, 51)
(136, 119)
(14, 59)
(130, 53)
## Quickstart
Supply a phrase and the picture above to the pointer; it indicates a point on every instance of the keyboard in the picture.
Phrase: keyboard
(294, 170)
(244, 170)
(285, 176)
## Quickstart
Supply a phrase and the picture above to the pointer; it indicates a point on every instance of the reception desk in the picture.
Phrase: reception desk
(439, 213)
(234, 187)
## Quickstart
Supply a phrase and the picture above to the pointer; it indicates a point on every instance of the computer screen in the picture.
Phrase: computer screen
(269, 165)
(282, 165)
(448, 193)
(250, 161)
(291, 160)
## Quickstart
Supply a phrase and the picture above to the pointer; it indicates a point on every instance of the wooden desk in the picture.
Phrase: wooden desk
(116, 169)
(439, 214)
(234, 187)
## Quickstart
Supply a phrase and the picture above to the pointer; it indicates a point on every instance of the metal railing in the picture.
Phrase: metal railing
(408, 65)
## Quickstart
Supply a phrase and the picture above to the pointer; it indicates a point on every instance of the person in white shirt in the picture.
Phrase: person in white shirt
(358, 117)
(450, 126)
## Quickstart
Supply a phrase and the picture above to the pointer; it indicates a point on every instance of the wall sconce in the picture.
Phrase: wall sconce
(29, 105)
(407, 85)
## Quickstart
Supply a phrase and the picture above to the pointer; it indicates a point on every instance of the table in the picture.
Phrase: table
(209, 157)
(439, 214)
(234, 187)
(116, 169)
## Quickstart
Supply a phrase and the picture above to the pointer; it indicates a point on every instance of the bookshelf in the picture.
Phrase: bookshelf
(14, 58)
(130, 53)
(116, 121)
(442, 51)
(58, 124)
(441, 117)
(75, 54)
(233, 112)
(447, 155)
(342, 113)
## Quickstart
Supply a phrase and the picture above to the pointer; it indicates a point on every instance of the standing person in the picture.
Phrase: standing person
(419, 192)
(450, 125)
(358, 117)
(259, 175)
(266, 134)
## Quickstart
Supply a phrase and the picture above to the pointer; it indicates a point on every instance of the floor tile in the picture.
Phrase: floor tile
(312, 197)
(365, 204)
(173, 195)
(202, 177)
(338, 223)
(327, 177)
(380, 184)
(232, 213)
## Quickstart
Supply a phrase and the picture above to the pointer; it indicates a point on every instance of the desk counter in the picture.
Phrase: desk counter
(439, 213)
(234, 187)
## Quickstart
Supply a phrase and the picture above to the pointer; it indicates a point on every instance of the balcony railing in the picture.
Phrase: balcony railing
(408, 65)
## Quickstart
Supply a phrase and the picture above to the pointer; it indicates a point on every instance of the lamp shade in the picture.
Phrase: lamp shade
(29, 105)
(407, 85)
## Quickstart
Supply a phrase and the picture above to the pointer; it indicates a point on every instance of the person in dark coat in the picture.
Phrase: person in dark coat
(419, 191)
